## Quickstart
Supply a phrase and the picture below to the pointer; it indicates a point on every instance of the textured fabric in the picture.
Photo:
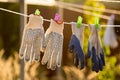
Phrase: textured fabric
(95, 51)
(79, 32)
(109, 36)
(54, 43)
(33, 39)
(75, 45)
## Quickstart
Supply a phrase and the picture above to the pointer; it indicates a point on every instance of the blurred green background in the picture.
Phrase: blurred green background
(10, 43)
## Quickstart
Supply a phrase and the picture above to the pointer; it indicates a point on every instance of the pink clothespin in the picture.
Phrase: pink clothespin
(57, 19)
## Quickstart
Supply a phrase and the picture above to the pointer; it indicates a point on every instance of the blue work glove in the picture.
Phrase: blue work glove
(95, 51)
(75, 45)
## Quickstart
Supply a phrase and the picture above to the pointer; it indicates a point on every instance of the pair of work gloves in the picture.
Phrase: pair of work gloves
(95, 51)
(34, 40)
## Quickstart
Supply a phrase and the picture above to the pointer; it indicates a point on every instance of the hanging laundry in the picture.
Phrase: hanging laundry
(95, 51)
(76, 44)
(54, 43)
(110, 38)
(33, 39)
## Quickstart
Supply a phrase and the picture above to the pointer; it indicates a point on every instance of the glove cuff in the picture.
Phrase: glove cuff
(35, 21)
(78, 32)
(55, 27)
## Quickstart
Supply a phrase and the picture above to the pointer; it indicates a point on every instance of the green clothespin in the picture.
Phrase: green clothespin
(97, 22)
(37, 12)
(79, 21)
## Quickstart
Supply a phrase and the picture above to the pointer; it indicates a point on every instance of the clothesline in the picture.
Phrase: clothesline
(2, 9)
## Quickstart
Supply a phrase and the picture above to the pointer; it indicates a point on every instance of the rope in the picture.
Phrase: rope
(2, 9)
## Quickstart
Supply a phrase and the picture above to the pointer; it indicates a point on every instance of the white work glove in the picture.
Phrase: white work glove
(110, 38)
(54, 43)
(33, 39)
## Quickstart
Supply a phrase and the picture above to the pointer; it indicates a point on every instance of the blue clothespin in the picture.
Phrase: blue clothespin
(37, 12)
(96, 22)
(79, 21)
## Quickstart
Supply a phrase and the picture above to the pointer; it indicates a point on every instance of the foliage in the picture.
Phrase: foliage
(109, 71)
(89, 18)
(9, 30)
(9, 40)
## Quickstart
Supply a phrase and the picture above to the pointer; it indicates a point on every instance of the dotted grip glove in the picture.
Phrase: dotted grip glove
(33, 39)
(75, 45)
(95, 51)
(54, 43)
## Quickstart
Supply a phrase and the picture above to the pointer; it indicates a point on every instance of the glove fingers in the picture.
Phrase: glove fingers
(29, 37)
(59, 59)
(82, 60)
(54, 53)
(49, 48)
(22, 50)
(59, 56)
(28, 52)
(54, 57)
(47, 53)
(49, 64)
(81, 57)
(43, 46)
(95, 61)
(23, 45)
(76, 61)
(102, 57)
(32, 56)
(89, 52)
(53, 60)
(94, 68)
(100, 64)
(36, 48)
(37, 33)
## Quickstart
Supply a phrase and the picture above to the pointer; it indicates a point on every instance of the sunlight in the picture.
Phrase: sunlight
(41, 2)
(34, 2)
